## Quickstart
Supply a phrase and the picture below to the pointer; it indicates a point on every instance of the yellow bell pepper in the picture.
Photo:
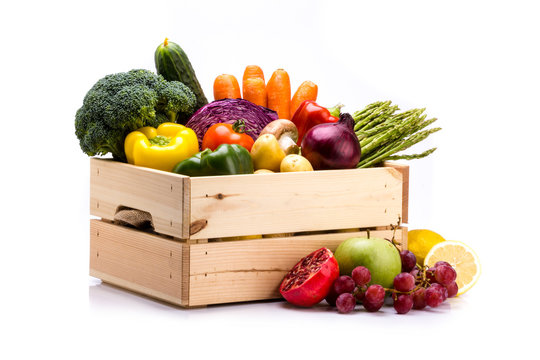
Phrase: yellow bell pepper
(160, 148)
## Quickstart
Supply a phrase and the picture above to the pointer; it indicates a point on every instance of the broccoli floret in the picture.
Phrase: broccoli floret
(177, 108)
(120, 103)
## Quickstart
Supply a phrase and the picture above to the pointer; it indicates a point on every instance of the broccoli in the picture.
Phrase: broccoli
(122, 102)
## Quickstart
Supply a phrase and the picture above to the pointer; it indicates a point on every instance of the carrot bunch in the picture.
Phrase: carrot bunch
(276, 94)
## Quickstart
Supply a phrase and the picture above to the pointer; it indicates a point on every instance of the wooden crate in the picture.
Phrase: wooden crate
(190, 259)
(198, 274)
(237, 205)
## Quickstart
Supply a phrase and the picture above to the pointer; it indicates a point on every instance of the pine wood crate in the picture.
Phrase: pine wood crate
(237, 205)
(186, 260)
(199, 274)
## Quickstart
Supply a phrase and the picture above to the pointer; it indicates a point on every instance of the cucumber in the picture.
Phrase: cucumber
(173, 64)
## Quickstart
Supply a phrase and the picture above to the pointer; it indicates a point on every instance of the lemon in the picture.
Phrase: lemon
(421, 241)
(462, 258)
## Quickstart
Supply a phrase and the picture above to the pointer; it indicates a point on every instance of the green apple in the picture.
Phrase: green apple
(378, 255)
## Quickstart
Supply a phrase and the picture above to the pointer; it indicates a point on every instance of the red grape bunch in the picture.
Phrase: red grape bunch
(414, 287)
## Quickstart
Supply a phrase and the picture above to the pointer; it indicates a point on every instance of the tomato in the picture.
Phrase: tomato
(223, 133)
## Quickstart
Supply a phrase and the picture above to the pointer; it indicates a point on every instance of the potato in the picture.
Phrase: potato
(263, 171)
(293, 162)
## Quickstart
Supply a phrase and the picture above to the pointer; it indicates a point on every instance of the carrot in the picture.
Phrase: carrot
(306, 91)
(253, 86)
(226, 86)
(255, 91)
(278, 92)
(253, 71)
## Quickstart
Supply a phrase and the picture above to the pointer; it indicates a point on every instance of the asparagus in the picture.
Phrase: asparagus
(413, 156)
(393, 148)
(383, 133)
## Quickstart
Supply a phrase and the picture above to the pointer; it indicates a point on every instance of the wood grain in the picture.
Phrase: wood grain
(198, 274)
(291, 202)
(136, 260)
(404, 170)
(246, 270)
(114, 184)
(240, 205)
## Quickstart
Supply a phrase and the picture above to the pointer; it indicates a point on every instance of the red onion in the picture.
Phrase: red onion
(332, 145)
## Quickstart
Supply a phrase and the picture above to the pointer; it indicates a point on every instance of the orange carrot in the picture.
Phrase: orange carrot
(253, 86)
(226, 86)
(278, 92)
(306, 91)
(255, 91)
(253, 71)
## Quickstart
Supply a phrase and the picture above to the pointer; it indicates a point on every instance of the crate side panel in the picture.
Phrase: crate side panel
(404, 170)
(136, 260)
(268, 254)
(232, 271)
(404, 238)
(114, 184)
(235, 287)
(293, 202)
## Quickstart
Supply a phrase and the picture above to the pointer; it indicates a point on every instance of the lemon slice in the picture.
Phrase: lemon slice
(462, 258)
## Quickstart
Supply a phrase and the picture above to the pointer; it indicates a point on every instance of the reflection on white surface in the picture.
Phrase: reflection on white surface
(106, 296)
(103, 295)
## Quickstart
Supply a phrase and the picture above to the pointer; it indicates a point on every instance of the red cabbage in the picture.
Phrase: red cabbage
(228, 111)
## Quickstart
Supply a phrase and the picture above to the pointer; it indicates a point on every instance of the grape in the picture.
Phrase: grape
(372, 307)
(419, 300)
(345, 303)
(439, 263)
(359, 293)
(408, 260)
(445, 274)
(442, 289)
(404, 282)
(361, 275)
(414, 272)
(452, 289)
(403, 303)
(433, 296)
(374, 294)
(344, 284)
(331, 297)
(430, 275)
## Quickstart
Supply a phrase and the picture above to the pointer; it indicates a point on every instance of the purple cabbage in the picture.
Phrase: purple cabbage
(228, 111)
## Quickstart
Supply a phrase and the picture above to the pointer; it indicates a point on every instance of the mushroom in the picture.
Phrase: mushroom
(286, 134)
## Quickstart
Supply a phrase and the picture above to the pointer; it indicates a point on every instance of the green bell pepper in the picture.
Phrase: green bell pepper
(227, 159)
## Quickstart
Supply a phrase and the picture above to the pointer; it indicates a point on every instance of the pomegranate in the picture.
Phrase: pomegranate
(309, 281)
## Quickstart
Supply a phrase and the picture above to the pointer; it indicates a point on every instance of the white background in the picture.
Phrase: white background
(474, 65)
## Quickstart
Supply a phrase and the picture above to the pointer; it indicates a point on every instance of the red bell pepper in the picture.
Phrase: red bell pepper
(310, 114)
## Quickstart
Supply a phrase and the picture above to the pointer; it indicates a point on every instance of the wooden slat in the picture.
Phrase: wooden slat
(114, 184)
(186, 207)
(138, 261)
(231, 287)
(203, 273)
(185, 273)
(404, 238)
(404, 170)
(247, 270)
(292, 202)
(222, 206)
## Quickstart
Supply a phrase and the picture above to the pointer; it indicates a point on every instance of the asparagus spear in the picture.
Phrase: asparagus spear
(383, 133)
(394, 148)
